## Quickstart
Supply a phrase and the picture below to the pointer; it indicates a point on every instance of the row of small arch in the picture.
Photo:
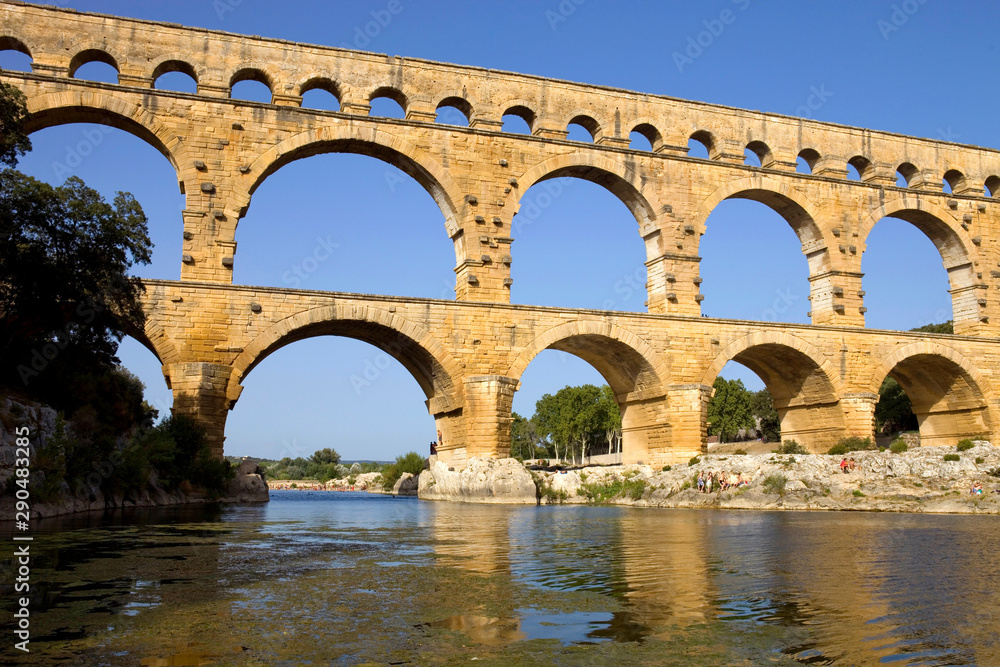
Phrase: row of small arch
(580, 126)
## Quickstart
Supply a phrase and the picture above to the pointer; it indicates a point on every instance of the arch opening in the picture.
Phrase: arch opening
(859, 168)
(388, 102)
(905, 173)
(290, 408)
(896, 253)
(590, 359)
(14, 55)
(953, 181)
(116, 155)
(752, 268)
(701, 145)
(454, 111)
(175, 75)
(94, 65)
(251, 85)
(947, 401)
(645, 137)
(320, 93)
(804, 397)
(571, 209)
(518, 120)
(356, 211)
(757, 154)
(992, 186)
(806, 161)
(582, 128)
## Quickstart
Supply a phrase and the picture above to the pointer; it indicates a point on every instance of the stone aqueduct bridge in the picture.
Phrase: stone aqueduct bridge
(468, 354)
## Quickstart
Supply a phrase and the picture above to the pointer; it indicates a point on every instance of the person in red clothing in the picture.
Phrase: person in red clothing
(844, 466)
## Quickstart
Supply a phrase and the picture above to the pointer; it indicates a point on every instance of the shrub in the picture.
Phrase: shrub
(979, 460)
(615, 488)
(410, 462)
(790, 447)
(837, 450)
(857, 494)
(775, 484)
(952, 457)
(694, 461)
(856, 444)
(741, 452)
(666, 468)
(964, 445)
(898, 446)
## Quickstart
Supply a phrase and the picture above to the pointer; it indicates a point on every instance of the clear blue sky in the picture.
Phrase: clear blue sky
(934, 76)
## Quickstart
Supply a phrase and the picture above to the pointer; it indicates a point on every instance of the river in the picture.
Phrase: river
(349, 578)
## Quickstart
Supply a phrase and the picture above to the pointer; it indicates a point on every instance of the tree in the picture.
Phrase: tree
(13, 113)
(729, 408)
(762, 408)
(64, 257)
(611, 419)
(325, 456)
(893, 412)
(576, 417)
(941, 328)
(524, 437)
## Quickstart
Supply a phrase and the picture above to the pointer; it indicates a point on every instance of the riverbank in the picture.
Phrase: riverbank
(919, 481)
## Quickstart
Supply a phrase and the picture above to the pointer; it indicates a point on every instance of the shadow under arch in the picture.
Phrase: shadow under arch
(790, 204)
(372, 142)
(53, 109)
(426, 359)
(948, 394)
(615, 177)
(953, 244)
(803, 384)
(631, 368)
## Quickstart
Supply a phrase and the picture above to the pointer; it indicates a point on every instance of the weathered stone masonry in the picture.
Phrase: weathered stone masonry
(468, 354)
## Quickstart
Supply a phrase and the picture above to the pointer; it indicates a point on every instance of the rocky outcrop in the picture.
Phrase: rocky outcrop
(479, 480)
(248, 486)
(406, 485)
(916, 481)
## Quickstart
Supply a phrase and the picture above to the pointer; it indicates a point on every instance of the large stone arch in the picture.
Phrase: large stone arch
(94, 106)
(953, 243)
(803, 383)
(951, 398)
(619, 179)
(630, 366)
(431, 365)
(778, 195)
(427, 360)
(363, 139)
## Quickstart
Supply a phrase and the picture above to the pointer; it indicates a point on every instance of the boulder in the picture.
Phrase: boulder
(478, 480)
(248, 486)
(406, 485)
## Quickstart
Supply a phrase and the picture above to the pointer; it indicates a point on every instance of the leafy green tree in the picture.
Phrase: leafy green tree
(729, 409)
(524, 438)
(575, 418)
(13, 114)
(411, 462)
(325, 456)
(611, 419)
(893, 412)
(763, 410)
(66, 294)
(941, 328)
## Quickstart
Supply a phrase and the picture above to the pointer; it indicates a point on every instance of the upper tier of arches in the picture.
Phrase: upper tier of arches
(609, 117)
